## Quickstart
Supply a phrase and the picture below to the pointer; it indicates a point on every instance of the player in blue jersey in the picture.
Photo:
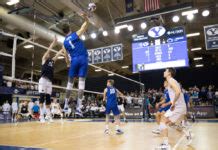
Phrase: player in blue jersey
(162, 107)
(76, 57)
(110, 96)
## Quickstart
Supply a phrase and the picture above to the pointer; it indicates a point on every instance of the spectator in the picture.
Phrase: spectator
(35, 111)
(24, 111)
(56, 109)
(14, 107)
(6, 110)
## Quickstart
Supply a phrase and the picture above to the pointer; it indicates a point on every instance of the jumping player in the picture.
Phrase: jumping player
(45, 82)
(110, 96)
(177, 109)
(78, 62)
(162, 107)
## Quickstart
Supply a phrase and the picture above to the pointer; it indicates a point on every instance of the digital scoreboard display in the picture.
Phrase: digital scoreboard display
(160, 48)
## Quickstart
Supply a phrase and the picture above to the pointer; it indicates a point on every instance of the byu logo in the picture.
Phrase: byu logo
(117, 48)
(97, 52)
(156, 32)
(107, 50)
(212, 32)
(89, 53)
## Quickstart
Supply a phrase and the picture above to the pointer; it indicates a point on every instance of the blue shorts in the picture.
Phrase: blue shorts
(164, 109)
(114, 109)
(79, 67)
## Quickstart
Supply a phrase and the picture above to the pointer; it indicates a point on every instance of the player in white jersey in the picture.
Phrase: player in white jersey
(177, 109)
(56, 109)
(14, 107)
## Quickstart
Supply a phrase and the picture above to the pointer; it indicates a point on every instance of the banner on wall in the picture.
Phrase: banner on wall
(211, 36)
(106, 54)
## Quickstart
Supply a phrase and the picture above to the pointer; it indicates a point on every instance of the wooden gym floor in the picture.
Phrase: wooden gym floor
(84, 135)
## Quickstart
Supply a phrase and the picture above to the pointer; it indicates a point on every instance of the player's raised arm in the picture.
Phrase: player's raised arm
(104, 94)
(47, 53)
(66, 57)
(84, 25)
(59, 53)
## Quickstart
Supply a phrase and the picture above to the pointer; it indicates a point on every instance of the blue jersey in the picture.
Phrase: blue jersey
(111, 96)
(167, 99)
(167, 96)
(75, 46)
(186, 97)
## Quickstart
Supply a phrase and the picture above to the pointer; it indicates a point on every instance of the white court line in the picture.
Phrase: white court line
(181, 139)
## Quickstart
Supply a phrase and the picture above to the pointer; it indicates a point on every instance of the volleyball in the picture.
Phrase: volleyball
(92, 7)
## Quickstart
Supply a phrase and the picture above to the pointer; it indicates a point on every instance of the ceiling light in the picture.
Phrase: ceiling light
(143, 25)
(83, 37)
(192, 34)
(60, 57)
(105, 33)
(93, 35)
(196, 49)
(190, 17)
(28, 46)
(198, 58)
(205, 13)
(97, 70)
(117, 31)
(186, 13)
(175, 19)
(110, 74)
(200, 65)
(130, 28)
(125, 67)
(122, 26)
(12, 2)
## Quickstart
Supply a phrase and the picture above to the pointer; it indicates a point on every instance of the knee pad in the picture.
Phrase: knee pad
(69, 86)
(81, 84)
(42, 98)
(48, 99)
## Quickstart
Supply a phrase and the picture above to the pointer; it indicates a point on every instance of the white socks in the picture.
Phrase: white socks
(48, 112)
(165, 140)
(106, 127)
(41, 112)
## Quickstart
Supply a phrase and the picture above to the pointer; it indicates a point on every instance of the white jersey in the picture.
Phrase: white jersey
(14, 106)
(6, 107)
(181, 101)
(54, 105)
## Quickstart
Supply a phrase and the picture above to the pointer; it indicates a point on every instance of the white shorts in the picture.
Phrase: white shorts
(55, 111)
(45, 86)
(176, 114)
(14, 111)
(121, 108)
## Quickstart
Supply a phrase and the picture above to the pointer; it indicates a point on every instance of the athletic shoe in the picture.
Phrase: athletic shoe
(126, 121)
(49, 119)
(156, 131)
(42, 120)
(163, 146)
(119, 132)
(106, 131)
(112, 121)
(78, 112)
